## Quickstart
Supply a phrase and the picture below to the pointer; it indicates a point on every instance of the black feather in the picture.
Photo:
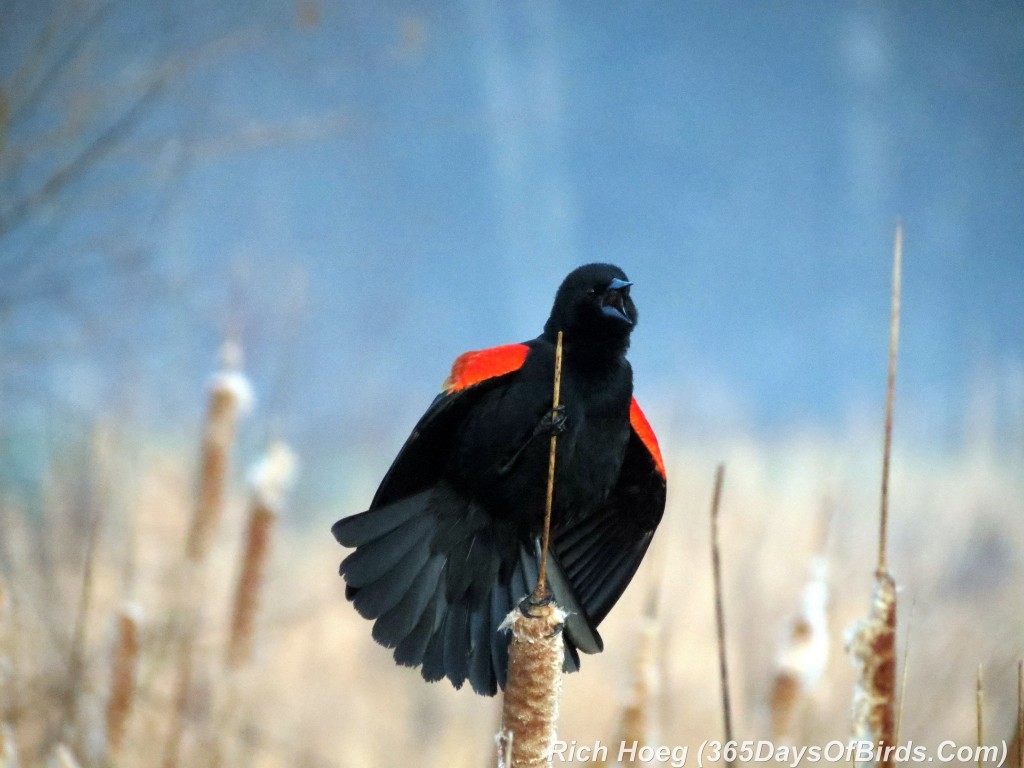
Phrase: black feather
(448, 547)
(356, 530)
(397, 622)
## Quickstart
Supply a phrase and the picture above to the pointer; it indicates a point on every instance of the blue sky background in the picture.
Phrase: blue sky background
(364, 190)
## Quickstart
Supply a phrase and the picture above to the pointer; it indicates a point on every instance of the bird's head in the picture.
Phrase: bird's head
(593, 302)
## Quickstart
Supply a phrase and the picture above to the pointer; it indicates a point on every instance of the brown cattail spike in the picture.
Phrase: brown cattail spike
(270, 479)
(250, 580)
(530, 710)
(122, 679)
(230, 395)
(873, 648)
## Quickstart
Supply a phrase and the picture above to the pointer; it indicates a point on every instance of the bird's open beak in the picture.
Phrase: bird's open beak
(613, 303)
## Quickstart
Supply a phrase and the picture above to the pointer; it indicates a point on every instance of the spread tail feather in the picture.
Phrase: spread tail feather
(437, 574)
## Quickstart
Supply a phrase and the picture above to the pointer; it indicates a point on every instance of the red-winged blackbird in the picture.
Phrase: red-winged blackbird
(450, 543)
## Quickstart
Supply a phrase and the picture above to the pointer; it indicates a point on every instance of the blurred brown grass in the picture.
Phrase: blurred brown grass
(319, 692)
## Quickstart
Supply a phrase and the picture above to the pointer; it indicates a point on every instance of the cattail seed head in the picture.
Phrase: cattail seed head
(122, 678)
(873, 648)
(530, 710)
(230, 396)
(250, 581)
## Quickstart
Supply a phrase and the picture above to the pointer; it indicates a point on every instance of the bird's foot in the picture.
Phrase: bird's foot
(533, 601)
(553, 422)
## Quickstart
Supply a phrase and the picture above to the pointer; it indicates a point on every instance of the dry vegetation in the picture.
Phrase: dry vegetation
(129, 639)
(320, 693)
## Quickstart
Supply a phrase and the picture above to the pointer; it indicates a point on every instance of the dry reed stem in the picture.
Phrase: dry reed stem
(63, 758)
(1016, 747)
(801, 662)
(873, 648)
(179, 705)
(716, 568)
(77, 660)
(270, 478)
(894, 343)
(8, 748)
(903, 676)
(122, 679)
(250, 582)
(979, 694)
(530, 709)
(5, 639)
(873, 645)
(229, 396)
(637, 725)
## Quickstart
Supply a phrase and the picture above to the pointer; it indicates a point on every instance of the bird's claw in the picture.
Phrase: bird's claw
(553, 422)
(532, 601)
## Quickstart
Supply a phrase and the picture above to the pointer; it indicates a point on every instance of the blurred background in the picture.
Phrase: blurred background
(359, 192)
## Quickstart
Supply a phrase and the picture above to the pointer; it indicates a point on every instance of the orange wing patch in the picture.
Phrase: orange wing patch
(474, 367)
(643, 430)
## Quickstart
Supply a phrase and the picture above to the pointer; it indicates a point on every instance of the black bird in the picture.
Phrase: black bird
(450, 543)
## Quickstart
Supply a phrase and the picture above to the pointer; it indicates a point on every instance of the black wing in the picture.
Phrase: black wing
(599, 555)
(421, 460)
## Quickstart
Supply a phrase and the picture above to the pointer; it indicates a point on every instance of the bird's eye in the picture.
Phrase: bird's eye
(592, 292)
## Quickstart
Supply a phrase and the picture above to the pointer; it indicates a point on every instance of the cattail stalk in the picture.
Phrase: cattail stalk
(270, 479)
(873, 646)
(8, 749)
(250, 582)
(1017, 747)
(541, 590)
(903, 677)
(716, 568)
(5, 635)
(890, 390)
(122, 679)
(979, 694)
(530, 709)
(63, 758)
(637, 725)
(536, 651)
(230, 395)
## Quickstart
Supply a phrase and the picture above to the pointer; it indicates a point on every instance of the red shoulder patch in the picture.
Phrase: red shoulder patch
(643, 430)
(474, 367)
